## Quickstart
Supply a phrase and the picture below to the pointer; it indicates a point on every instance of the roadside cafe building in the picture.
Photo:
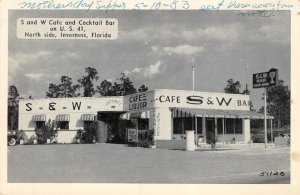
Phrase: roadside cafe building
(169, 113)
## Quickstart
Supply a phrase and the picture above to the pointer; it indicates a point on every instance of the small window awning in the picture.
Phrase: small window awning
(195, 112)
(63, 117)
(125, 116)
(144, 114)
(132, 115)
(87, 117)
(39, 118)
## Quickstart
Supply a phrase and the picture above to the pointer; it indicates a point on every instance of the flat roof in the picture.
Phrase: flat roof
(150, 91)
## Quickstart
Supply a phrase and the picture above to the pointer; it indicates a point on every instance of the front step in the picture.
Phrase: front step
(236, 145)
(203, 146)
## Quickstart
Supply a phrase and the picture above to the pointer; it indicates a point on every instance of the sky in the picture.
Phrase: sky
(156, 48)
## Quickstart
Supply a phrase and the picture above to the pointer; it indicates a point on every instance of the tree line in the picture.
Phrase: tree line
(66, 87)
(278, 101)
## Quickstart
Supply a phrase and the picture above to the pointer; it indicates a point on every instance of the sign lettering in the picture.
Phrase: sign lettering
(78, 105)
(265, 79)
(164, 98)
(113, 101)
(243, 103)
(51, 106)
(194, 99)
(138, 98)
(138, 101)
(223, 100)
(28, 107)
(167, 98)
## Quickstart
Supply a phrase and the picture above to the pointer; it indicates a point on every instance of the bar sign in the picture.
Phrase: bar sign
(265, 79)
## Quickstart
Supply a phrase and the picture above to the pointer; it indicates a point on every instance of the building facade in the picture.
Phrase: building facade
(169, 113)
(69, 114)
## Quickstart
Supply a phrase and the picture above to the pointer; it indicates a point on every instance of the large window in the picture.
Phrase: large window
(220, 126)
(188, 123)
(63, 125)
(238, 126)
(234, 126)
(177, 125)
(199, 125)
(229, 126)
(180, 125)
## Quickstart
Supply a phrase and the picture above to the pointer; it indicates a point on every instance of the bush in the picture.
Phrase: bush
(23, 136)
(53, 135)
(89, 133)
(260, 138)
(78, 136)
(31, 139)
(43, 134)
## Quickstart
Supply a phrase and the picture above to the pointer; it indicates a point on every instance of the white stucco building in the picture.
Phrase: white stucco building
(168, 112)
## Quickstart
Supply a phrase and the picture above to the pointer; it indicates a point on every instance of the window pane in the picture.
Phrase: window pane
(199, 125)
(238, 126)
(188, 123)
(63, 124)
(177, 126)
(229, 126)
(220, 125)
(40, 124)
(143, 123)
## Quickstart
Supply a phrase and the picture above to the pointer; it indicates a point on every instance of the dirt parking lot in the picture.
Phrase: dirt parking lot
(112, 163)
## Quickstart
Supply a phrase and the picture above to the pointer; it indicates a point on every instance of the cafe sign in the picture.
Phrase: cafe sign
(265, 79)
(166, 98)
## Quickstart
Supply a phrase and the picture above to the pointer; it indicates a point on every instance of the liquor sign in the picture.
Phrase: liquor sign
(132, 135)
(265, 79)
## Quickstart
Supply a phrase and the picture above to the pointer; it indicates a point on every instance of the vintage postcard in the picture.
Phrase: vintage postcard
(149, 97)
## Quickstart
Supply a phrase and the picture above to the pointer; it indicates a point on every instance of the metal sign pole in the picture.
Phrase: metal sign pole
(193, 67)
(265, 117)
(264, 80)
(271, 130)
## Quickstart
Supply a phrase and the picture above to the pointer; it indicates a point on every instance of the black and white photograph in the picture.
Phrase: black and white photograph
(149, 97)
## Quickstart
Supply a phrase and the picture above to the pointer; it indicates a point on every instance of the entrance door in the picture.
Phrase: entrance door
(210, 129)
(108, 126)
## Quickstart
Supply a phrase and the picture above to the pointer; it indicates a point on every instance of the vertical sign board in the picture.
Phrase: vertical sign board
(132, 135)
(265, 79)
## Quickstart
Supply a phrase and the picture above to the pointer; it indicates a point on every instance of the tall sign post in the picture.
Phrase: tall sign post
(193, 67)
(265, 117)
(264, 80)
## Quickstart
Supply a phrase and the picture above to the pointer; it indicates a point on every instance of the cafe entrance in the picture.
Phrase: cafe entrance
(108, 126)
